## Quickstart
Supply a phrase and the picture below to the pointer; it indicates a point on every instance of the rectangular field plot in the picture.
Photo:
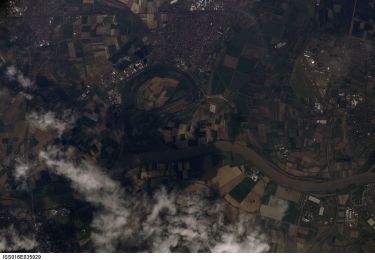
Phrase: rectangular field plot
(242, 189)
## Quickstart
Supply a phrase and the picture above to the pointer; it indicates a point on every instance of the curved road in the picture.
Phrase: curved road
(269, 169)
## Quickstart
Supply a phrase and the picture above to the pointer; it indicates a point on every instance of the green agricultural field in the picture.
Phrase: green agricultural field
(292, 213)
(68, 31)
(246, 65)
(240, 87)
(303, 6)
(225, 77)
(234, 50)
(239, 81)
(270, 190)
(2, 126)
(337, 129)
(242, 105)
(86, 28)
(218, 86)
(84, 19)
(255, 37)
(300, 84)
(221, 80)
(273, 30)
(277, 125)
(225, 74)
(241, 36)
(64, 48)
(242, 189)
(369, 163)
(237, 43)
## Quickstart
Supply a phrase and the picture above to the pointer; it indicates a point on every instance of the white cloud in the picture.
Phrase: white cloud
(191, 221)
(11, 72)
(24, 81)
(11, 241)
(21, 170)
(20, 173)
(14, 74)
(50, 121)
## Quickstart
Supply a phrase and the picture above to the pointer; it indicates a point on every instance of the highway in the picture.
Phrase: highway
(269, 169)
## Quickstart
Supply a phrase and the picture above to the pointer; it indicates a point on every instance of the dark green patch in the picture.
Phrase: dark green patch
(225, 74)
(301, 85)
(9, 148)
(79, 49)
(84, 19)
(108, 19)
(277, 125)
(242, 105)
(273, 30)
(2, 126)
(33, 142)
(64, 48)
(239, 82)
(254, 38)
(242, 90)
(4, 8)
(239, 39)
(246, 65)
(337, 129)
(369, 163)
(217, 86)
(73, 72)
(234, 50)
(68, 31)
(112, 49)
(271, 188)
(86, 28)
(242, 189)
(292, 213)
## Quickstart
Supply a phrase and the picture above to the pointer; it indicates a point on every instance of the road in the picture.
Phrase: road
(269, 169)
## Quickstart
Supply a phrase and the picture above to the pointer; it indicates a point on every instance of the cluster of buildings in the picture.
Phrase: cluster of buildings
(310, 142)
(207, 5)
(369, 202)
(314, 215)
(295, 219)
(276, 205)
(313, 209)
(300, 140)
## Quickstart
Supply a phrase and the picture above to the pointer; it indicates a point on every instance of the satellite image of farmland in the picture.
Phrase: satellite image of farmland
(157, 126)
